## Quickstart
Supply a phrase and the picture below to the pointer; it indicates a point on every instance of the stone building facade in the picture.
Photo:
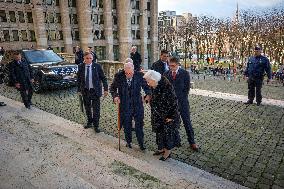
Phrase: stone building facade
(111, 27)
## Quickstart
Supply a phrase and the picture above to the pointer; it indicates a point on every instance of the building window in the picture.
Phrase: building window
(101, 19)
(60, 37)
(95, 19)
(15, 35)
(72, 3)
(115, 34)
(133, 19)
(75, 18)
(101, 4)
(77, 36)
(148, 6)
(30, 17)
(58, 17)
(32, 35)
(24, 35)
(21, 17)
(149, 34)
(6, 35)
(113, 4)
(49, 2)
(19, 1)
(94, 3)
(149, 21)
(3, 17)
(138, 34)
(57, 3)
(114, 20)
(137, 7)
(138, 19)
(116, 52)
(12, 16)
(27, 1)
(101, 52)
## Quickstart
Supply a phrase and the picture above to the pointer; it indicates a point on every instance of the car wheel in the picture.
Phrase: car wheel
(37, 86)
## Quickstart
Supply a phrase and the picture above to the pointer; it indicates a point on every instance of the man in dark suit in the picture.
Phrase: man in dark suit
(90, 79)
(180, 79)
(161, 65)
(136, 57)
(126, 91)
(22, 77)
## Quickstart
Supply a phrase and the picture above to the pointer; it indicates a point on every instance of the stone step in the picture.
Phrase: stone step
(82, 157)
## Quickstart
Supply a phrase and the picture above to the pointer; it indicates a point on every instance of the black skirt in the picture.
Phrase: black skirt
(168, 137)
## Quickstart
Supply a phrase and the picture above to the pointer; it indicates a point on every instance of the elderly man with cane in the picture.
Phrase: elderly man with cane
(126, 91)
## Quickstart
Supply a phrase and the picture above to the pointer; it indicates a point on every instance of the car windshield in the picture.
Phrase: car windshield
(42, 56)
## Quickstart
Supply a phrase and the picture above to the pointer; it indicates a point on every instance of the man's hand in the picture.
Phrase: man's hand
(17, 85)
(32, 80)
(105, 93)
(146, 99)
(269, 81)
(168, 120)
(79, 93)
(116, 100)
(245, 77)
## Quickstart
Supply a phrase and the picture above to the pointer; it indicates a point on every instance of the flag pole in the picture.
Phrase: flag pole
(118, 126)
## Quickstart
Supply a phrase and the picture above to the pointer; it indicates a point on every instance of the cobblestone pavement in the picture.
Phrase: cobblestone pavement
(236, 86)
(241, 143)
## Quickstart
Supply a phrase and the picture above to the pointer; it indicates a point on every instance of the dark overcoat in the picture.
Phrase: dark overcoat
(130, 100)
(21, 73)
(159, 66)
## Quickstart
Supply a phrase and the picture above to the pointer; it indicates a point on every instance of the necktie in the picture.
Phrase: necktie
(174, 74)
(87, 78)
(129, 82)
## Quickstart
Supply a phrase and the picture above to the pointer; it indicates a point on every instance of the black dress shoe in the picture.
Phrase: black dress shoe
(164, 159)
(248, 102)
(97, 130)
(157, 153)
(88, 125)
(2, 104)
(128, 145)
(142, 148)
(258, 103)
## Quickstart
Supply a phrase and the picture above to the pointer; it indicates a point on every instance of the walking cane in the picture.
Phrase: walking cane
(118, 126)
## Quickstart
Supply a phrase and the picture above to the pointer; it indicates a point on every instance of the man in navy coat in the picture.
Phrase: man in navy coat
(180, 80)
(126, 91)
(22, 77)
(90, 79)
(161, 65)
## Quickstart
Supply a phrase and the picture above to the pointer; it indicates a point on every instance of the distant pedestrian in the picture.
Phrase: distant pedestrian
(22, 77)
(165, 118)
(161, 65)
(79, 55)
(180, 80)
(90, 80)
(254, 73)
(2, 51)
(136, 57)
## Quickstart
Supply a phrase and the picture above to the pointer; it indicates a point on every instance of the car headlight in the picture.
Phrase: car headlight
(48, 72)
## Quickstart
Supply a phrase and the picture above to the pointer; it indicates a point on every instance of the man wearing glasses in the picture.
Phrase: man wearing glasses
(180, 80)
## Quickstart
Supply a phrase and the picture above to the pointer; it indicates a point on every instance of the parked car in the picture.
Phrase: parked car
(50, 70)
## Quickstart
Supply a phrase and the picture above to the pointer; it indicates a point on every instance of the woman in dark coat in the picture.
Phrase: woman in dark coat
(165, 118)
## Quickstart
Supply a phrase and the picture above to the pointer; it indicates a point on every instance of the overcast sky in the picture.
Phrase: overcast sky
(217, 8)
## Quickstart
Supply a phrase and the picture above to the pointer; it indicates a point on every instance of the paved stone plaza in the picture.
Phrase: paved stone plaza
(244, 144)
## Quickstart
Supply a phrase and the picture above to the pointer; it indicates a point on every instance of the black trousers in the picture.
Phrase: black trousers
(127, 124)
(254, 89)
(26, 95)
(92, 106)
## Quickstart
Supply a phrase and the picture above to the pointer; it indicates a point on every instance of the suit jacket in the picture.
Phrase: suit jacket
(181, 84)
(98, 77)
(159, 66)
(130, 97)
(21, 73)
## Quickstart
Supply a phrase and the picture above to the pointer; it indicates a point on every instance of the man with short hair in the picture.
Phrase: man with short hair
(161, 65)
(90, 79)
(180, 80)
(95, 58)
(136, 57)
(22, 77)
(79, 55)
(256, 67)
(126, 91)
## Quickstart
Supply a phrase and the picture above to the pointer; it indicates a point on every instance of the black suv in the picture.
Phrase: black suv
(50, 70)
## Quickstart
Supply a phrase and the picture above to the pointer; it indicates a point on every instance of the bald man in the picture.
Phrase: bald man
(126, 91)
